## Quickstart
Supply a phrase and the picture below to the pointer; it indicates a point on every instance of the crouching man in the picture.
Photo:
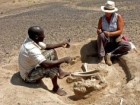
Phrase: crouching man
(35, 64)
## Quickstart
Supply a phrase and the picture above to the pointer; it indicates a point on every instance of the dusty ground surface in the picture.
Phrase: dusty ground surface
(76, 19)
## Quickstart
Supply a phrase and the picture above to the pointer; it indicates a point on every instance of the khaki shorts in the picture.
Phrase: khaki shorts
(39, 72)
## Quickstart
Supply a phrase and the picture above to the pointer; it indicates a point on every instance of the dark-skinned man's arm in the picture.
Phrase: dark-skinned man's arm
(62, 44)
(55, 63)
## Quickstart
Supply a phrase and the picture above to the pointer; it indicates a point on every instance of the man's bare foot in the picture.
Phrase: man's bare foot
(59, 91)
(63, 74)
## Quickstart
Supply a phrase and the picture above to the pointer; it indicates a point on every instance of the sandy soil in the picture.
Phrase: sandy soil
(15, 92)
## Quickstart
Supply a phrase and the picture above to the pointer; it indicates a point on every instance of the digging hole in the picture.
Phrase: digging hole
(114, 76)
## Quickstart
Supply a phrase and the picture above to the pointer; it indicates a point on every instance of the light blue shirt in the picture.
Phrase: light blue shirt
(112, 26)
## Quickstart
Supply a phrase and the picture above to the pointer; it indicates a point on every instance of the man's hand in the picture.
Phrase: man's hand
(107, 33)
(67, 59)
(66, 43)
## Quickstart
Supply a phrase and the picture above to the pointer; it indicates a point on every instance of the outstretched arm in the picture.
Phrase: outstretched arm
(62, 44)
(55, 63)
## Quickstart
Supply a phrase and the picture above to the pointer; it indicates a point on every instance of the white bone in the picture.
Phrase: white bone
(85, 67)
(132, 45)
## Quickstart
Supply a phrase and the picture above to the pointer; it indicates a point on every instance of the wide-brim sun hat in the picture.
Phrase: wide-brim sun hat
(109, 7)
